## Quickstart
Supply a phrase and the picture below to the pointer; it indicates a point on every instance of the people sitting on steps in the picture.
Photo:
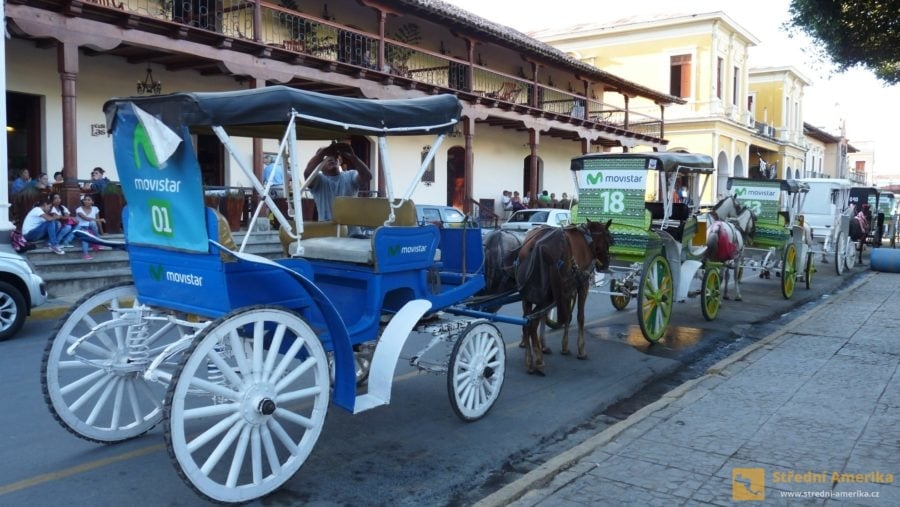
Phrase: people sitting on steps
(40, 224)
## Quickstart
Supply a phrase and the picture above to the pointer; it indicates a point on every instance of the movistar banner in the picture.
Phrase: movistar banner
(162, 183)
(611, 178)
(762, 191)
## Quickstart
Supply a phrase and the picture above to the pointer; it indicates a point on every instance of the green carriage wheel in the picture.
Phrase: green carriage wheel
(655, 297)
(621, 300)
(789, 271)
(810, 269)
(711, 293)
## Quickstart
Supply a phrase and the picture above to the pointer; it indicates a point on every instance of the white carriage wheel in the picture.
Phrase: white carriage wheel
(247, 404)
(851, 254)
(476, 370)
(99, 393)
(840, 250)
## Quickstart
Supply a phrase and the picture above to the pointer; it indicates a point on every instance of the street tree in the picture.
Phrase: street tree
(852, 33)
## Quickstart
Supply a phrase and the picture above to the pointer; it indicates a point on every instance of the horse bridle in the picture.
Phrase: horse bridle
(589, 239)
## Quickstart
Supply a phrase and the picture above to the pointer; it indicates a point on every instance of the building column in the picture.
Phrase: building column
(257, 142)
(67, 65)
(534, 139)
(469, 134)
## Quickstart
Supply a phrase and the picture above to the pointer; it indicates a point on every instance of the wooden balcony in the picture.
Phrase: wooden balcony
(272, 31)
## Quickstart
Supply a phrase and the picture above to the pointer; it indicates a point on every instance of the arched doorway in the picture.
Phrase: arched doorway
(722, 174)
(456, 177)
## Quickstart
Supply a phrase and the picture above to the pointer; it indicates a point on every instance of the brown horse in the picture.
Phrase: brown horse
(552, 264)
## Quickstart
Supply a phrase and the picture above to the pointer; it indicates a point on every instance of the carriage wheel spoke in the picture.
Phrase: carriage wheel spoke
(213, 431)
(294, 418)
(269, 447)
(117, 404)
(90, 392)
(237, 460)
(223, 446)
(101, 401)
(274, 347)
(295, 373)
(299, 394)
(256, 455)
(237, 351)
(259, 334)
(133, 401)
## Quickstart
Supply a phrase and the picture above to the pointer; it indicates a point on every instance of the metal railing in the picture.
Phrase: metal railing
(290, 30)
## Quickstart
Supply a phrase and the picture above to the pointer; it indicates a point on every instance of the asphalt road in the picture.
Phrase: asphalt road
(414, 451)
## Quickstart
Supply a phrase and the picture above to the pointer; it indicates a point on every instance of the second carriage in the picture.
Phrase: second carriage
(650, 199)
(827, 212)
(780, 243)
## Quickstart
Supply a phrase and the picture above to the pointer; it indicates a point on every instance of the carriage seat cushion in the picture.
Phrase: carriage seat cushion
(370, 212)
(352, 211)
(355, 250)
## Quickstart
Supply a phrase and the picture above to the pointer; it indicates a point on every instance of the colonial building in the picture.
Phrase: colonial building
(827, 155)
(527, 107)
(749, 120)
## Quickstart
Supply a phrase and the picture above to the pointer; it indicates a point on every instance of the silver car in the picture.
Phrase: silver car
(21, 289)
(526, 219)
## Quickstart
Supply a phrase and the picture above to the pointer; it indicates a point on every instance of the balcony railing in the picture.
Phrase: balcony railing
(301, 33)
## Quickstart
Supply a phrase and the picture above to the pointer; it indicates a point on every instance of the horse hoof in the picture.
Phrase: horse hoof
(539, 373)
(521, 345)
(563, 352)
(582, 356)
(738, 299)
(723, 297)
(547, 351)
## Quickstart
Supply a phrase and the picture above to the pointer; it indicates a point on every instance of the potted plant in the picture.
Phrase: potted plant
(232, 207)
(113, 202)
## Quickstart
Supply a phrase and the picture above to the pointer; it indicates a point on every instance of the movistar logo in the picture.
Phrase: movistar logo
(156, 272)
(594, 178)
(740, 191)
(399, 249)
(143, 144)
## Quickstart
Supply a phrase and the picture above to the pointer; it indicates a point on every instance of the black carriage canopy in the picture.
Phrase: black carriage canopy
(662, 161)
(789, 186)
(264, 113)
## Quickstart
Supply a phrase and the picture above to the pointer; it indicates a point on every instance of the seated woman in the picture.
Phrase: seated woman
(88, 220)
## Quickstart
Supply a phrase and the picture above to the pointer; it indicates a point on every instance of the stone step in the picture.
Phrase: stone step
(70, 275)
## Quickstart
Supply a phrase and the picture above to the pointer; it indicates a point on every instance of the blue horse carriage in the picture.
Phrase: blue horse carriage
(238, 355)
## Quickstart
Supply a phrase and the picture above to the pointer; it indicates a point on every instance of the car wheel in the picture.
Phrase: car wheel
(12, 310)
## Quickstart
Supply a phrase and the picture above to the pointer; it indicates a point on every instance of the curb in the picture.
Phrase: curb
(542, 475)
(53, 309)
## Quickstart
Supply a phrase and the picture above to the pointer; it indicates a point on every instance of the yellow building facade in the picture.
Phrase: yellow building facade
(748, 120)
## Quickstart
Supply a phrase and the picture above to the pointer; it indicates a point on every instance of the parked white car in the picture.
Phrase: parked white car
(526, 219)
(21, 289)
(442, 216)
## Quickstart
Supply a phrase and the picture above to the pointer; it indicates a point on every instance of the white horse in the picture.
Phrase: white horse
(729, 225)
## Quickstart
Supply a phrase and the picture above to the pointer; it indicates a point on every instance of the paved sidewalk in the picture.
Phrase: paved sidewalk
(812, 410)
